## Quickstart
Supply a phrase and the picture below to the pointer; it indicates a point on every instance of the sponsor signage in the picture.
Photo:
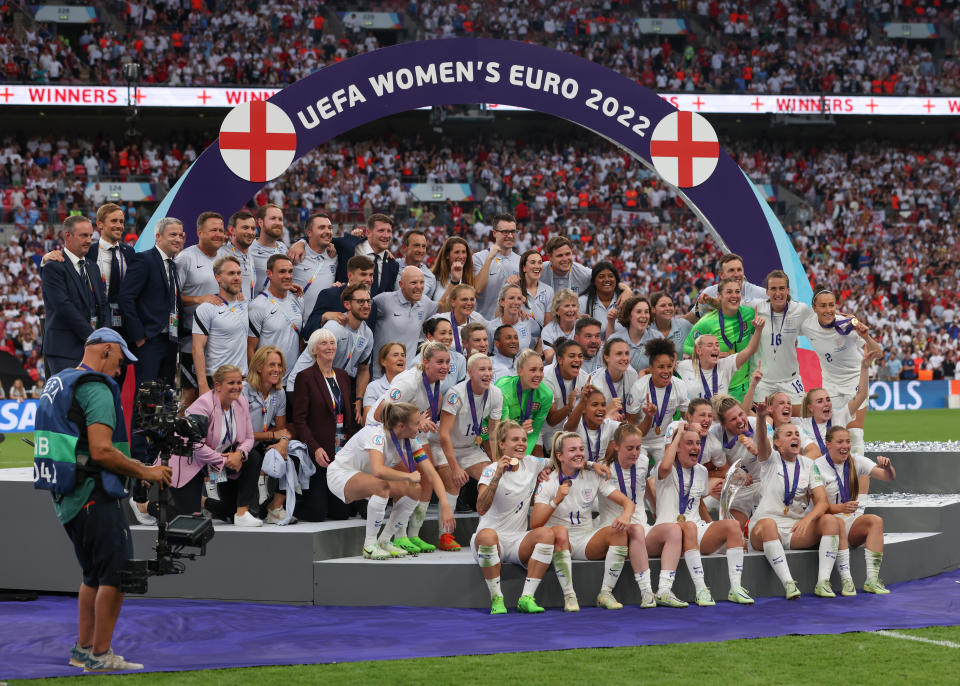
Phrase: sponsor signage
(909, 395)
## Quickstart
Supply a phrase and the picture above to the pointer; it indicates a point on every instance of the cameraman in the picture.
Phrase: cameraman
(80, 409)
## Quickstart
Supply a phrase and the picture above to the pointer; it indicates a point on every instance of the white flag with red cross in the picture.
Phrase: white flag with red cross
(257, 141)
(684, 149)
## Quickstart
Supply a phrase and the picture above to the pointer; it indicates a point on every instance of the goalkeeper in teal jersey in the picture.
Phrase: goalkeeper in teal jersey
(732, 324)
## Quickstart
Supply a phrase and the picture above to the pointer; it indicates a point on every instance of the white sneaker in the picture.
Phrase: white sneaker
(109, 662)
(278, 515)
(144, 518)
(247, 519)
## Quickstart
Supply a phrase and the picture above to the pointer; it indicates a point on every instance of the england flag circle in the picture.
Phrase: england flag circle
(684, 149)
(257, 141)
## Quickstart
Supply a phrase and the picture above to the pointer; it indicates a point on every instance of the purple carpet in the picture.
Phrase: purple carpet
(171, 635)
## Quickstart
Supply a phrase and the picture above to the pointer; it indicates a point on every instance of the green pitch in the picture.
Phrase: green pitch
(861, 658)
(894, 425)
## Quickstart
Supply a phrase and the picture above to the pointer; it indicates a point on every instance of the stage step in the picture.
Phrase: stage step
(454, 580)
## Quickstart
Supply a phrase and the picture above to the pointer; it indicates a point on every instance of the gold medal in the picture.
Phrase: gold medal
(855, 322)
(479, 440)
(657, 429)
(681, 519)
(742, 438)
(514, 463)
(786, 509)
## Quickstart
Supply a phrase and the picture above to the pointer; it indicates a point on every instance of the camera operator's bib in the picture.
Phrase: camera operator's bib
(57, 432)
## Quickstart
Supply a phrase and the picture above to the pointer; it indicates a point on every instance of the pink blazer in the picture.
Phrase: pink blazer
(208, 405)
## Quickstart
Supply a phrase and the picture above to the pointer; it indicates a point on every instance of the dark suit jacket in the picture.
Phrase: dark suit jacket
(347, 247)
(128, 256)
(313, 420)
(328, 300)
(65, 301)
(145, 297)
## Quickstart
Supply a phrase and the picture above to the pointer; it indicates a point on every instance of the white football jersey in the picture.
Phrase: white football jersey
(511, 503)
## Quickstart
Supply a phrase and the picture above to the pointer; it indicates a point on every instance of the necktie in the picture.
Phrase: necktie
(115, 275)
(88, 294)
(376, 272)
(172, 285)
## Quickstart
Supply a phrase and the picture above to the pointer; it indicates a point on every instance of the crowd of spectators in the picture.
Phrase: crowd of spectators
(867, 203)
(788, 46)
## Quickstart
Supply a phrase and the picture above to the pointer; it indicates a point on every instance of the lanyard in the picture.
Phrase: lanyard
(790, 493)
(525, 412)
(633, 480)
(433, 397)
(593, 454)
(316, 273)
(243, 259)
(842, 484)
(228, 420)
(476, 417)
(354, 337)
(273, 300)
(230, 307)
(334, 388)
(723, 329)
(405, 457)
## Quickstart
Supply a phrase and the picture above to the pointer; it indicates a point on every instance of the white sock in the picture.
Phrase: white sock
(643, 580)
(563, 567)
(873, 560)
(827, 556)
(543, 553)
(735, 566)
(376, 508)
(773, 550)
(530, 586)
(488, 556)
(262, 488)
(399, 516)
(857, 446)
(416, 519)
(843, 564)
(695, 567)
(665, 584)
(612, 566)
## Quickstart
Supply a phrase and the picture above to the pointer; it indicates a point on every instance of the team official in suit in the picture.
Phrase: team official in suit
(376, 246)
(113, 258)
(73, 298)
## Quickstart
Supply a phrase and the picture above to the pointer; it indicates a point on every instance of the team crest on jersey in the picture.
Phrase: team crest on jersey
(452, 398)
(420, 315)
(535, 406)
(588, 494)
(360, 343)
(378, 440)
(523, 331)
(395, 394)
(333, 268)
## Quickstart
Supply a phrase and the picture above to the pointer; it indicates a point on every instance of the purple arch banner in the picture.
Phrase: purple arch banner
(257, 142)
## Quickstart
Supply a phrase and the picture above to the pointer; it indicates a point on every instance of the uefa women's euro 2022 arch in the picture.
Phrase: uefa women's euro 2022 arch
(259, 140)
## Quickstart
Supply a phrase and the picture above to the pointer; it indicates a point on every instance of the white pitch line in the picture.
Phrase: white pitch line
(908, 637)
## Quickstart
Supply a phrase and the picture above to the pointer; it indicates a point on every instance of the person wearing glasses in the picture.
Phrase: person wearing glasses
(496, 266)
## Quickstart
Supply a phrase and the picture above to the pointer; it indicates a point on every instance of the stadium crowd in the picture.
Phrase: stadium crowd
(784, 47)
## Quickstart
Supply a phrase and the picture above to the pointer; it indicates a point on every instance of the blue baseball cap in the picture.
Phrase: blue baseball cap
(107, 335)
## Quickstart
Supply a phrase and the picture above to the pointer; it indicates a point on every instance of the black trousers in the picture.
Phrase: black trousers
(318, 504)
(239, 492)
(186, 498)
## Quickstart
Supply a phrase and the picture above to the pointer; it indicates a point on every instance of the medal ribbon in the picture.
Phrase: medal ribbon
(684, 494)
(613, 390)
(661, 412)
(723, 329)
(818, 436)
(843, 326)
(473, 408)
(703, 380)
(405, 457)
(456, 333)
(433, 397)
(633, 481)
(592, 456)
(842, 484)
(560, 382)
(525, 412)
(790, 493)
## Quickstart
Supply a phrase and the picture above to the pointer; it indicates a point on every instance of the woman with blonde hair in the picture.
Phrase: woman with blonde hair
(503, 502)
(565, 308)
(267, 402)
(383, 461)
(526, 399)
(393, 360)
(565, 502)
(510, 304)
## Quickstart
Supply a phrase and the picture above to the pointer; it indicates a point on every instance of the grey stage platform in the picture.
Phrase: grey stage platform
(314, 563)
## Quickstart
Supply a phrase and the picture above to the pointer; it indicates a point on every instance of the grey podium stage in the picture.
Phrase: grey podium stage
(316, 563)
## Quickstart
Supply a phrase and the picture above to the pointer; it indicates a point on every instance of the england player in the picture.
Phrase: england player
(420, 386)
(593, 422)
(682, 483)
(503, 497)
(270, 224)
(383, 461)
(732, 324)
(565, 378)
(510, 312)
(840, 353)
(780, 410)
(220, 331)
(441, 331)
(198, 284)
(566, 500)
(463, 301)
(393, 360)
(276, 313)
(657, 396)
(791, 509)
(734, 438)
(354, 339)
(616, 378)
(842, 471)
(820, 413)
(492, 268)
(318, 268)
(629, 464)
(242, 230)
(526, 399)
(706, 374)
(778, 346)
